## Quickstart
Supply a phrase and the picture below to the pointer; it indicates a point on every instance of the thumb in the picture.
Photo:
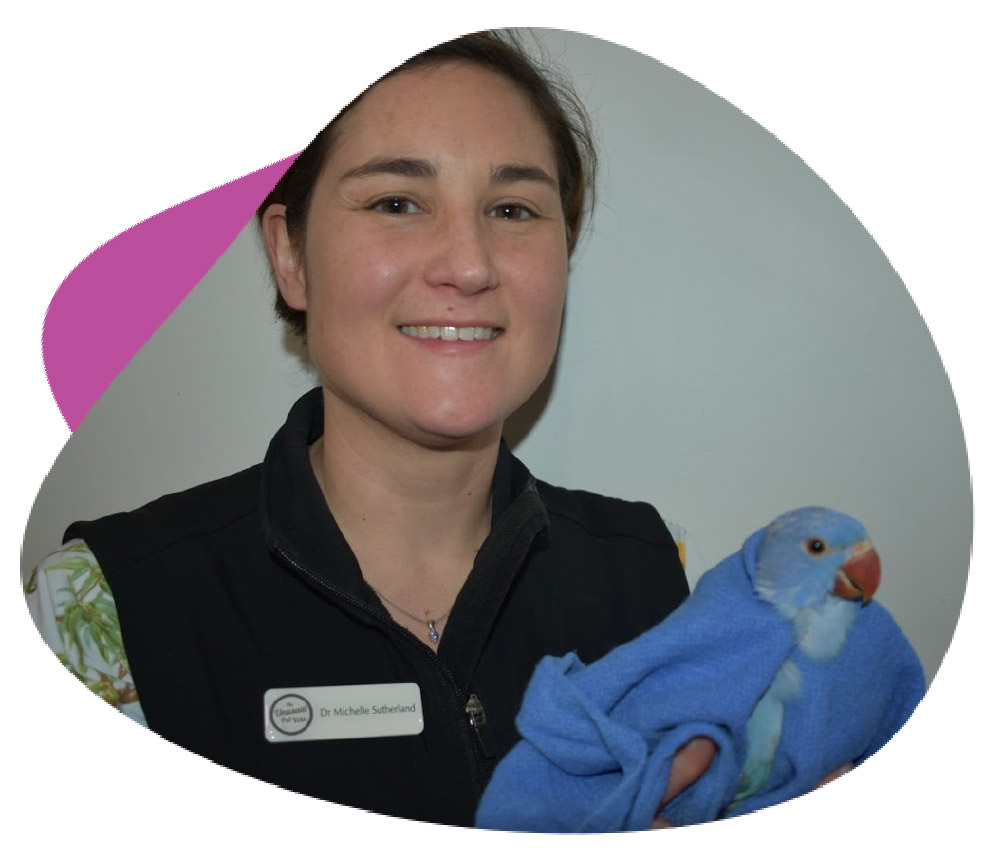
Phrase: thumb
(689, 764)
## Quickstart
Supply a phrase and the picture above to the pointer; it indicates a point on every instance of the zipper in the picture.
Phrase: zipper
(478, 722)
(478, 743)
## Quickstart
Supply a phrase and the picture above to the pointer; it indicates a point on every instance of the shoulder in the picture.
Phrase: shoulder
(71, 558)
(603, 516)
(610, 517)
(71, 604)
(690, 555)
(204, 509)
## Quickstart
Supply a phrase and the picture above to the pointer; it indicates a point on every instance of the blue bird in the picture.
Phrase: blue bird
(815, 566)
(778, 656)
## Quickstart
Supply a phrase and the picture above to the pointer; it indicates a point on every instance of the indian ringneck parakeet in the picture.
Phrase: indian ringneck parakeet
(816, 567)
(778, 656)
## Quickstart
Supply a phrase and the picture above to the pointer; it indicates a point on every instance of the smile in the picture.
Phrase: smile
(452, 334)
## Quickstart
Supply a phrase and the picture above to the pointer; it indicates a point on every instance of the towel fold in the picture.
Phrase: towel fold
(598, 740)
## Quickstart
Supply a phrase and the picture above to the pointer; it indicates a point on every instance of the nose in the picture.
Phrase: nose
(461, 256)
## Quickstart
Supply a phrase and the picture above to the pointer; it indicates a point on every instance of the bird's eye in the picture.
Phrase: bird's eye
(815, 546)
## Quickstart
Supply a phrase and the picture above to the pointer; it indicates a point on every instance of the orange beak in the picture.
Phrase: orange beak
(859, 576)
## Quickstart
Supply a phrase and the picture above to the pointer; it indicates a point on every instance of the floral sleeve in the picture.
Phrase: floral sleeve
(72, 606)
(690, 557)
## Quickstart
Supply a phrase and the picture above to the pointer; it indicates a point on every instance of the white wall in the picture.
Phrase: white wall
(735, 345)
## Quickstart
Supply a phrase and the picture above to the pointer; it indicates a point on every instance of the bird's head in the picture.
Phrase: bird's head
(813, 552)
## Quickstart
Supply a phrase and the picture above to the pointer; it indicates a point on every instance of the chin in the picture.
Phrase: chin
(454, 435)
(456, 427)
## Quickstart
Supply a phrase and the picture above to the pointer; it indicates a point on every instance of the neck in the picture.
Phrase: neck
(821, 631)
(399, 501)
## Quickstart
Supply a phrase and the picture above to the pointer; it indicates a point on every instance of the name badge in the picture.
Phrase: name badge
(342, 712)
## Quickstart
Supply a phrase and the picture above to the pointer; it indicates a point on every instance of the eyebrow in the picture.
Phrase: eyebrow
(526, 173)
(421, 168)
(393, 165)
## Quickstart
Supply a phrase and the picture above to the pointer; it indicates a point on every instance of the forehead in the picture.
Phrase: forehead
(451, 109)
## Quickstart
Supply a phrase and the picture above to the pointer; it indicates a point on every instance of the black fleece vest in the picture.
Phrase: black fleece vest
(246, 584)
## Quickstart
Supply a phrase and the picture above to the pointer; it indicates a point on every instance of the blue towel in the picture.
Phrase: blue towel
(598, 741)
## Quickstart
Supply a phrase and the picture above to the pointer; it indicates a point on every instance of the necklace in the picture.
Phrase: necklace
(431, 624)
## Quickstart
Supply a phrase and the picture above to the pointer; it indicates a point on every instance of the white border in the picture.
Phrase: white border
(115, 111)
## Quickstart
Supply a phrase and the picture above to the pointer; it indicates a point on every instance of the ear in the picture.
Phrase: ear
(287, 266)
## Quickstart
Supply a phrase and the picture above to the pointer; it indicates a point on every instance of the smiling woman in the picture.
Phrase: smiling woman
(436, 208)
(734, 345)
(389, 549)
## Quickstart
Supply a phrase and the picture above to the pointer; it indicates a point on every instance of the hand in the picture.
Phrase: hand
(835, 774)
(689, 764)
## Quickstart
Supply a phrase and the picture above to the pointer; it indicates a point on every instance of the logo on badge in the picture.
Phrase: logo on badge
(291, 714)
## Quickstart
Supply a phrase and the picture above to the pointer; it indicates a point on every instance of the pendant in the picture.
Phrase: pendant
(432, 632)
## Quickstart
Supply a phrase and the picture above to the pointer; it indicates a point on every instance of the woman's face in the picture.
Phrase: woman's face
(434, 266)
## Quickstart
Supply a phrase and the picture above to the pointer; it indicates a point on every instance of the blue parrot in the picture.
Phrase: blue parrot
(778, 656)
(814, 566)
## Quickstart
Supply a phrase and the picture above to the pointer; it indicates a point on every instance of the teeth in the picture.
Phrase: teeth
(452, 334)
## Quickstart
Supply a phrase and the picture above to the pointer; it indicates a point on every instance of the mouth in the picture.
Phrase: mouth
(859, 577)
(447, 333)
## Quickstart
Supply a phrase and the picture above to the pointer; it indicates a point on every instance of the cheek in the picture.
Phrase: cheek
(542, 280)
(352, 279)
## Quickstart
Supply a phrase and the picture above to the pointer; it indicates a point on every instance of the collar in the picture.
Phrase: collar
(301, 530)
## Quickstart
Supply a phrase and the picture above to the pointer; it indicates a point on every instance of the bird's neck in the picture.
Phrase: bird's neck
(821, 631)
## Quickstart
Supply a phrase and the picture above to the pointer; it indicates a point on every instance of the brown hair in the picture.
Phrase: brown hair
(552, 96)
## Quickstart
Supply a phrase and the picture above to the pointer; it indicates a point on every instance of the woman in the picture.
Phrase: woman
(390, 559)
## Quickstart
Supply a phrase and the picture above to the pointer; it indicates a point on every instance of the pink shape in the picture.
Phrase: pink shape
(120, 294)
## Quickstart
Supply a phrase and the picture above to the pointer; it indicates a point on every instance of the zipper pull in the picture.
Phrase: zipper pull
(478, 721)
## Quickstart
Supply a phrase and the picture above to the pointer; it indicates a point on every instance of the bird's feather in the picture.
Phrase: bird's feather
(797, 568)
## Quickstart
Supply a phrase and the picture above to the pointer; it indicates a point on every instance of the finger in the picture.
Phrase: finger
(845, 768)
(689, 763)
(659, 823)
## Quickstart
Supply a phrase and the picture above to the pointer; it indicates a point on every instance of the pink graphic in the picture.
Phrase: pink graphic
(113, 301)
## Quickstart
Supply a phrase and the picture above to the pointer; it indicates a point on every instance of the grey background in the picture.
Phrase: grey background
(735, 345)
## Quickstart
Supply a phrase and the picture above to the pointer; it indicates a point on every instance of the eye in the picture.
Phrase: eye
(511, 212)
(395, 206)
(815, 546)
